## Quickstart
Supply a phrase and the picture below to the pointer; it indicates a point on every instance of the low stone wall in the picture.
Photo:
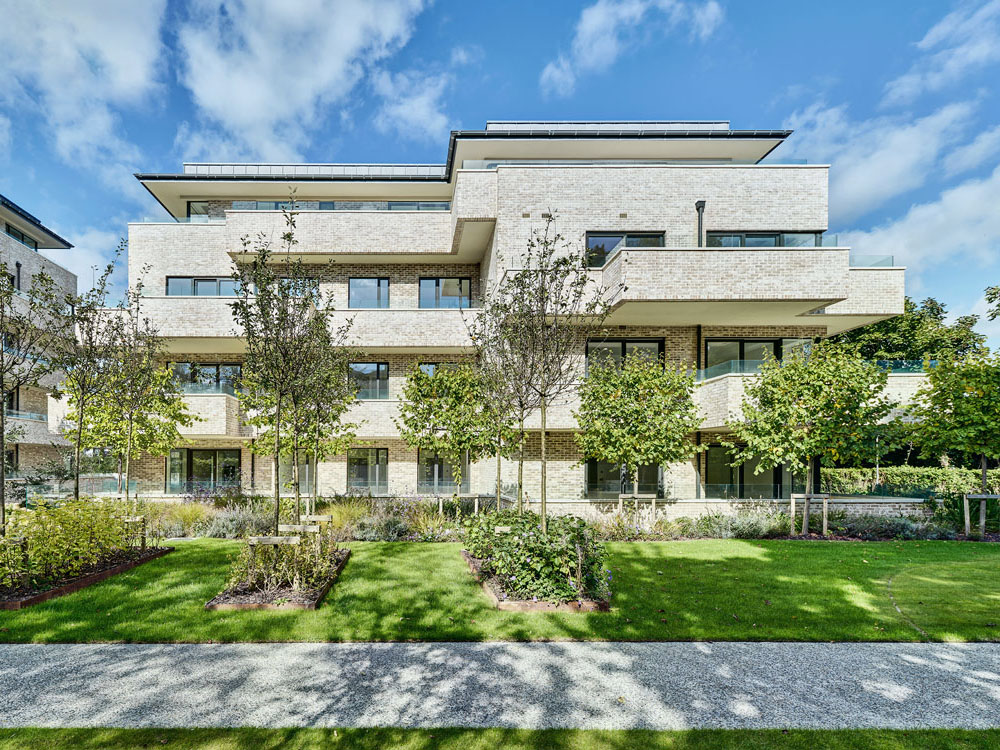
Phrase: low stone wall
(669, 508)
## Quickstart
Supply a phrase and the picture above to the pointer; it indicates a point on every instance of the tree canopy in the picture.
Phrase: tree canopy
(921, 332)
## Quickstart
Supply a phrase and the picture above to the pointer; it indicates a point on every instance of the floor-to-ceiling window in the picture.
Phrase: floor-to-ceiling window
(606, 481)
(722, 480)
(436, 474)
(368, 470)
(193, 469)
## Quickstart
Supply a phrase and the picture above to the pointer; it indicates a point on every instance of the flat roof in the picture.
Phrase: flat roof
(28, 222)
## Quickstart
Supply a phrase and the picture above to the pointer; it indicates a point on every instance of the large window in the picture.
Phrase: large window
(764, 239)
(21, 237)
(371, 379)
(606, 481)
(368, 293)
(261, 205)
(190, 470)
(446, 292)
(199, 211)
(724, 481)
(745, 355)
(368, 470)
(10, 400)
(384, 205)
(201, 286)
(286, 476)
(601, 245)
(601, 350)
(10, 458)
(436, 474)
(195, 377)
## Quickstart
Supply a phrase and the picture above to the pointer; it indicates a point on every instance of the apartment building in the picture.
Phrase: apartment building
(22, 237)
(717, 254)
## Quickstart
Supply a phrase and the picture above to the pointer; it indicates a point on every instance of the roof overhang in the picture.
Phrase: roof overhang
(16, 216)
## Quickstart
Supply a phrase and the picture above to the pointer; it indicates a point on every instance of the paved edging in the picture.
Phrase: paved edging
(529, 685)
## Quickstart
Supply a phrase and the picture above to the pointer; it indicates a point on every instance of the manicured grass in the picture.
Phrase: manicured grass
(702, 590)
(489, 739)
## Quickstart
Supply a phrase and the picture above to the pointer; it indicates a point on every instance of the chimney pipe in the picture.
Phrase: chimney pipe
(699, 206)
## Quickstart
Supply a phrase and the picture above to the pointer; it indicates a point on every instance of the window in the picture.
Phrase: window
(10, 459)
(745, 355)
(21, 237)
(764, 239)
(601, 246)
(446, 293)
(368, 293)
(201, 286)
(368, 470)
(617, 349)
(195, 377)
(419, 205)
(199, 211)
(286, 479)
(607, 481)
(190, 470)
(385, 205)
(371, 379)
(722, 480)
(10, 400)
(429, 368)
(436, 474)
(261, 205)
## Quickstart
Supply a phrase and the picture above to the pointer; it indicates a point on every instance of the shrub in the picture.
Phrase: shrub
(762, 523)
(64, 540)
(873, 528)
(239, 522)
(565, 564)
(302, 567)
(387, 529)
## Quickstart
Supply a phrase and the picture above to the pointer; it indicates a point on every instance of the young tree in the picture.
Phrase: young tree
(822, 405)
(139, 411)
(85, 359)
(636, 414)
(443, 413)
(275, 308)
(553, 305)
(958, 409)
(31, 323)
(921, 332)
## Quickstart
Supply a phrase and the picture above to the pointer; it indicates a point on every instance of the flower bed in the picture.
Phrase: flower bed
(282, 573)
(523, 569)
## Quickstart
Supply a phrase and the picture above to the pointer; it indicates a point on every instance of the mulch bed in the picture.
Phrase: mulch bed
(494, 590)
(243, 597)
(112, 566)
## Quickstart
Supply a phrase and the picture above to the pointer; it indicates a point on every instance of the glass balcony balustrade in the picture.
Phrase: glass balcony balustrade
(752, 367)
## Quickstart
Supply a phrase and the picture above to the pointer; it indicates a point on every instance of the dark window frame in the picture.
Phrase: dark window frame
(207, 367)
(378, 287)
(381, 484)
(779, 234)
(384, 392)
(623, 340)
(187, 483)
(194, 279)
(660, 488)
(439, 460)
(625, 234)
(25, 239)
(743, 340)
(437, 292)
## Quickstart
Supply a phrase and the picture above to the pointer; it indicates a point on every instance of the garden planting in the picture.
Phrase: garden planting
(58, 549)
(522, 569)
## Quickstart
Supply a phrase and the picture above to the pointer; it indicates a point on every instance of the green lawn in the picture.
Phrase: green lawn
(489, 739)
(700, 590)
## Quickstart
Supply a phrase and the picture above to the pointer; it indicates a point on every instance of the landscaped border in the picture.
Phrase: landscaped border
(83, 582)
(499, 600)
(307, 605)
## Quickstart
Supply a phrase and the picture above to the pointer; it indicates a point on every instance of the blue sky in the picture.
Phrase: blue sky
(900, 97)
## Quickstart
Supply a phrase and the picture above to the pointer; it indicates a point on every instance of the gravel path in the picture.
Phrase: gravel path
(530, 685)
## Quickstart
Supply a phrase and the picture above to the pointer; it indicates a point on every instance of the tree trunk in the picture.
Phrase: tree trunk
(499, 457)
(3, 471)
(128, 462)
(315, 460)
(76, 451)
(545, 525)
(520, 472)
(295, 475)
(982, 464)
(275, 482)
(809, 491)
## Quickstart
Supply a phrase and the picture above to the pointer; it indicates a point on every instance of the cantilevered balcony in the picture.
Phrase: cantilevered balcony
(217, 411)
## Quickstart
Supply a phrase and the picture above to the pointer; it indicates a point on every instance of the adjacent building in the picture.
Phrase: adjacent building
(22, 237)
(718, 258)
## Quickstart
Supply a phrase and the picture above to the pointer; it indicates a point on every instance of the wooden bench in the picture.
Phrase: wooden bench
(321, 519)
(637, 497)
(297, 528)
(982, 512)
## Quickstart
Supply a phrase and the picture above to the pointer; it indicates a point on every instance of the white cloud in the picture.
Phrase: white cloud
(5, 138)
(961, 225)
(263, 74)
(962, 42)
(466, 54)
(77, 64)
(877, 159)
(92, 249)
(607, 26)
(411, 105)
(983, 148)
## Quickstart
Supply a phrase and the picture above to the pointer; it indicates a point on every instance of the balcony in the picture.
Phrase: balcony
(401, 330)
(32, 428)
(217, 412)
(737, 286)
(194, 325)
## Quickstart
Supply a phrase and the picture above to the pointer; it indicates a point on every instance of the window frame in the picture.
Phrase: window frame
(778, 342)
(438, 459)
(625, 234)
(381, 485)
(25, 239)
(437, 292)
(378, 292)
(660, 489)
(818, 239)
(219, 280)
(206, 367)
(378, 367)
(623, 340)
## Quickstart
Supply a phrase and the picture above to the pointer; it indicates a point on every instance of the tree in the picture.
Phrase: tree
(139, 411)
(636, 414)
(993, 299)
(276, 307)
(921, 332)
(443, 413)
(552, 305)
(85, 358)
(31, 323)
(958, 409)
(822, 405)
